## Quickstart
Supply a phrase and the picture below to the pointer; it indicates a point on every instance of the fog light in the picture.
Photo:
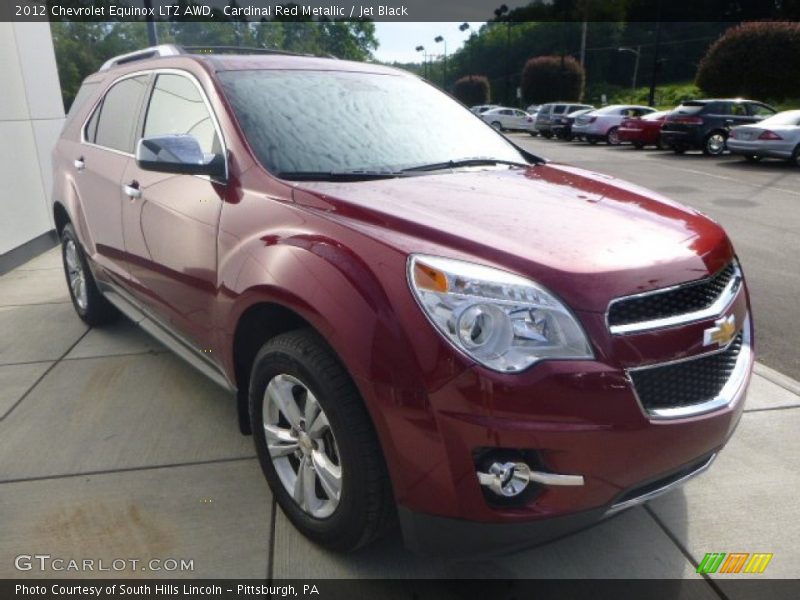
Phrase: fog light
(506, 479)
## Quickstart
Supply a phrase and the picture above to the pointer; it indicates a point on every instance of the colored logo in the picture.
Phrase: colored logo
(735, 562)
(722, 333)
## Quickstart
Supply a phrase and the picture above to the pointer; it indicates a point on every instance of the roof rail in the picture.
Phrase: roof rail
(151, 52)
(237, 50)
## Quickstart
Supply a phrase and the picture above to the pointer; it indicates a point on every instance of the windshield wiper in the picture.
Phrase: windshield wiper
(355, 175)
(466, 162)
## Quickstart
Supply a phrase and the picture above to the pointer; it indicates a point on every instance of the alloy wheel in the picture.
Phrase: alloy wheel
(715, 144)
(75, 275)
(301, 446)
(613, 136)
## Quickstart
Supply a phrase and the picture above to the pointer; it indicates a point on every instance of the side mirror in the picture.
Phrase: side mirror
(180, 154)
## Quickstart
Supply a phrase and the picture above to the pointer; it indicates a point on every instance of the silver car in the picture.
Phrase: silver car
(775, 137)
(603, 124)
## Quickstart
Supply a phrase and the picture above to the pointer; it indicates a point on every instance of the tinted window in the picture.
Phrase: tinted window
(119, 113)
(91, 126)
(324, 121)
(760, 110)
(176, 106)
(86, 91)
(738, 110)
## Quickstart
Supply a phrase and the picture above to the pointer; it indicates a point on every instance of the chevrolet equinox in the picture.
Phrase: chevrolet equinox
(421, 322)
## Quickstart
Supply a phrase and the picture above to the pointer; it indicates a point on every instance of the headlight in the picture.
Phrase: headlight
(501, 320)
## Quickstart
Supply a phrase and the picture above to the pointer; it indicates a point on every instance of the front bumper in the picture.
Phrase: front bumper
(576, 417)
(442, 536)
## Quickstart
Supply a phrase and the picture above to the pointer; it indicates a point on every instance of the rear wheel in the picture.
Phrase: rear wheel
(87, 300)
(316, 444)
(795, 160)
(714, 144)
(612, 137)
(497, 125)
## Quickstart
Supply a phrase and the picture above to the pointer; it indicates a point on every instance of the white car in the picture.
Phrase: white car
(482, 108)
(502, 118)
(603, 124)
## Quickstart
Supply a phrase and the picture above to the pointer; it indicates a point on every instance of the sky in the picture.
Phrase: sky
(398, 40)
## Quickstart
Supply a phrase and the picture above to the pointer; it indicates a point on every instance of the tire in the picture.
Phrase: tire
(497, 125)
(569, 137)
(612, 137)
(638, 145)
(90, 304)
(533, 133)
(714, 143)
(547, 135)
(298, 367)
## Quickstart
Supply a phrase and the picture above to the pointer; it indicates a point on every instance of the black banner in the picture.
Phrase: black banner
(398, 10)
(374, 589)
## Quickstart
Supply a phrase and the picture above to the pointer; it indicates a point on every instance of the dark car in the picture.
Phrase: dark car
(705, 124)
(548, 113)
(562, 125)
(643, 131)
(416, 318)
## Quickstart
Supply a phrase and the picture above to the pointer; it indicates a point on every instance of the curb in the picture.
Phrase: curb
(779, 379)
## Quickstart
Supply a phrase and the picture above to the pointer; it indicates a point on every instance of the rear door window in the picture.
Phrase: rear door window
(119, 114)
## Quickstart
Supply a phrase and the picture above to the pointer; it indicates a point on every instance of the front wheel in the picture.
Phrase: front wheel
(316, 444)
(714, 144)
(90, 304)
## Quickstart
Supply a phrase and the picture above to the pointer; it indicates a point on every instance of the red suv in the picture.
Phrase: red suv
(419, 320)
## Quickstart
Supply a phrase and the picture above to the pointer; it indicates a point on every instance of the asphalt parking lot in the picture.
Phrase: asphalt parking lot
(111, 447)
(756, 203)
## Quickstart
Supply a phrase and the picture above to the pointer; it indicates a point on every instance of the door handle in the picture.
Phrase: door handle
(132, 190)
(79, 164)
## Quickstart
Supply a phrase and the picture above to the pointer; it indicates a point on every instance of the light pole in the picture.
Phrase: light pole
(424, 60)
(638, 52)
(501, 14)
(464, 27)
(439, 39)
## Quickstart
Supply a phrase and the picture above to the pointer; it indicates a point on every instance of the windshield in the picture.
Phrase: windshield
(302, 122)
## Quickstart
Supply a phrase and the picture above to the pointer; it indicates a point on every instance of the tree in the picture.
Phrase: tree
(81, 48)
(552, 78)
(755, 60)
(472, 90)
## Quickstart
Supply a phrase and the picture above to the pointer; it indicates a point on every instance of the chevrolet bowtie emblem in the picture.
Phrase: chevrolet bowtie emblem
(722, 333)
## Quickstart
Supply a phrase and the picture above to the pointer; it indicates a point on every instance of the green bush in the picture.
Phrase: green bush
(472, 90)
(754, 60)
(552, 78)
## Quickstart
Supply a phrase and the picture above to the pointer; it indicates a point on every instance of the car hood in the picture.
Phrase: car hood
(585, 236)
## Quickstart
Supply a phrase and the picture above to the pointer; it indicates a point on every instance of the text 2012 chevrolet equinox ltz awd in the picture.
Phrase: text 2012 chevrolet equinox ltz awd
(420, 321)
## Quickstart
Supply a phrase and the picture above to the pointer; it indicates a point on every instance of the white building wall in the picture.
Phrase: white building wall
(31, 117)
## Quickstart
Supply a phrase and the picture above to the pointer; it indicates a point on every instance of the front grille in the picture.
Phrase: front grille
(686, 383)
(685, 299)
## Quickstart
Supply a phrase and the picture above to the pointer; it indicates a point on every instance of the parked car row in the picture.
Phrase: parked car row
(748, 128)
